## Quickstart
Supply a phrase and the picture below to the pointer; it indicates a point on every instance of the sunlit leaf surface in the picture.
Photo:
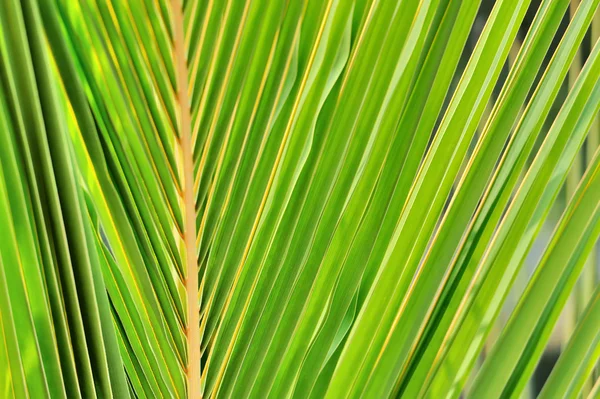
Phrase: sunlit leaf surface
(294, 199)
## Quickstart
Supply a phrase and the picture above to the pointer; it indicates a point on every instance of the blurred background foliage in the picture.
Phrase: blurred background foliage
(591, 274)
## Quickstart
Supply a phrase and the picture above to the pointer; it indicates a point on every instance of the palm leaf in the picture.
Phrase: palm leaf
(295, 198)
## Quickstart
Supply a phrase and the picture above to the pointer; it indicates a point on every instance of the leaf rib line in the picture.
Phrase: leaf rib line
(189, 230)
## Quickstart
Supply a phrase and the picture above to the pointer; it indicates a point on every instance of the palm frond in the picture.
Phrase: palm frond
(248, 198)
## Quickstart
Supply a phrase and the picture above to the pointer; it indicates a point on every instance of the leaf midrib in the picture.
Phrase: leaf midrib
(189, 227)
